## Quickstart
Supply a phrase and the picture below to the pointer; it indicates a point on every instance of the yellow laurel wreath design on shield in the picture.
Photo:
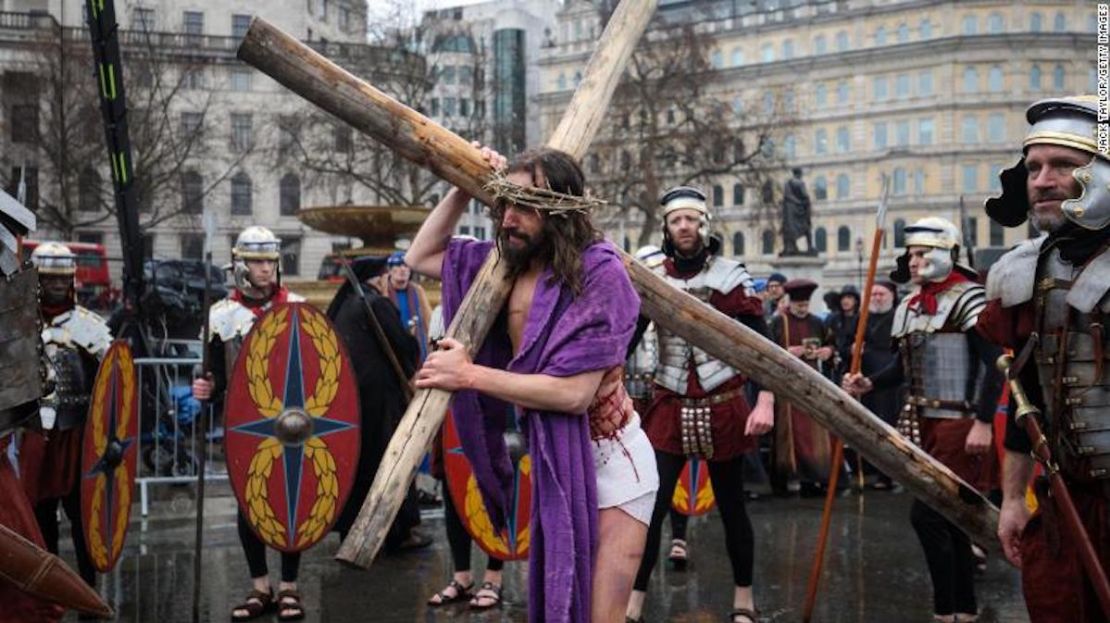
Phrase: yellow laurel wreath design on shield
(98, 550)
(259, 511)
(475, 510)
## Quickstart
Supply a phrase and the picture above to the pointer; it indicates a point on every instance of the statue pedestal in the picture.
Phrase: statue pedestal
(806, 267)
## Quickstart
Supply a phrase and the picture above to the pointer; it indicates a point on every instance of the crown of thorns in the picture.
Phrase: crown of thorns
(540, 198)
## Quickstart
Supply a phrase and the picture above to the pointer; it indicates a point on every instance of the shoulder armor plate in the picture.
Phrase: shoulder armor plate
(81, 328)
(1092, 285)
(725, 275)
(1013, 276)
(228, 319)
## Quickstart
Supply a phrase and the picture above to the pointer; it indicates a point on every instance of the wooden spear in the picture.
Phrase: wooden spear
(838, 445)
(423, 141)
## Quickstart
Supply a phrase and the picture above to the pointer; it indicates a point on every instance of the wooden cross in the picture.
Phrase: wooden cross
(423, 141)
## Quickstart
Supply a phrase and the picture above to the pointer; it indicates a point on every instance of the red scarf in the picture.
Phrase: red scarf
(49, 312)
(926, 298)
(261, 306)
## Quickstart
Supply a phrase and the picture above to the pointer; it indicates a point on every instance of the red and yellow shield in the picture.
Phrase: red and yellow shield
(694, 477)
(108, 456)
(512, 543)
(292, 427)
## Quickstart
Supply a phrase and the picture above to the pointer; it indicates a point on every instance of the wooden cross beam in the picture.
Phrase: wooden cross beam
(423, 141)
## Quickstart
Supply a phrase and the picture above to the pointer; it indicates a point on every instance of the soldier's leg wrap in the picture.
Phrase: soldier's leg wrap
(46, 514)
(728, 488)
(942, 556)
(253, 548)
(71, 504)
(670, 468)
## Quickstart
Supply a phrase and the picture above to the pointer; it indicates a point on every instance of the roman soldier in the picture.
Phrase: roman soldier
(74, 340)
(953, 389)
(699, 408)
(256, 267)
(1049, 300)
(802, 446)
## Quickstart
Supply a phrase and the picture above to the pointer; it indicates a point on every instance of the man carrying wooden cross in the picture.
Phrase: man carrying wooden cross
(556, 353)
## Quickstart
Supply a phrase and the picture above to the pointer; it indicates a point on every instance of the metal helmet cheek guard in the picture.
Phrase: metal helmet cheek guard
(938, 265)
(943, 240)
(1070, 122)
(254, 243)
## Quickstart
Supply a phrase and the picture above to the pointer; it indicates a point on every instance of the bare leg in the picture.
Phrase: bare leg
(620, 547)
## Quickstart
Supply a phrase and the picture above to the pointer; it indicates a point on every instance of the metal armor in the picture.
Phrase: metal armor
(64, 340)
(1072, 307)
(945, 380)
(231, 321)
(721, 275)
(19, 348)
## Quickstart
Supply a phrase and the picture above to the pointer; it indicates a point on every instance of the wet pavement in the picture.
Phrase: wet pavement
(875, 571)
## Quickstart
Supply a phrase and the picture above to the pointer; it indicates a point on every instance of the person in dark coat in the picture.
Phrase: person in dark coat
(878, 353)
(380, 394)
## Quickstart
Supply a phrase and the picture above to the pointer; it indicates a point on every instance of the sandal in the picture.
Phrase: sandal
(289, 605)
(462, 593)
(750, 615)
(256, 604)
(679, 554)
(487, 591)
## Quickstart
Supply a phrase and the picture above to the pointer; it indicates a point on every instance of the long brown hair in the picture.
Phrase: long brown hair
(565, 234)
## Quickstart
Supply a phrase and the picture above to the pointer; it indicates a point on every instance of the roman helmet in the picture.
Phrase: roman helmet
(943, 238)
(1067, 122)
(692, 198)
(254, 243)
(54, 258)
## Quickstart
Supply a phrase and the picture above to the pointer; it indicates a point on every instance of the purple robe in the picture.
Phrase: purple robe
(563, 336)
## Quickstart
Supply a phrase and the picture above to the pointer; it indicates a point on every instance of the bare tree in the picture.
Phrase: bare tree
(667, 127)
(171, 146)
(341, 161)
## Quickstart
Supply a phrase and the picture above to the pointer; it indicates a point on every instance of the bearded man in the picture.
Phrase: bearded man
(556, 354)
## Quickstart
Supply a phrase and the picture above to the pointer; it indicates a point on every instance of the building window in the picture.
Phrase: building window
(736, 57)
(821, 142)
(879, 87)
(25, 123)
(192, 22)
(241, 132)
(842, 41)
(821, 240)
(994, 79)
(925, 83)
(142, 19)
(768, 192)
(899, 230)
(820, 188)
(738, 243)
(996, 128)
(1059, 23)
(925, 131)
(192, 193)
(789, 147)
(89, 184)
(899, 188)
(902, 86)
(241, 194)
(821, 95)
(903, 33)
(768, 103)
(1058, 77)
(1036, 22)
(768, 246)
(843, 239)
(737, 194)
(842, 186)
(994, 177)
(239, 25)
(718, 196)
(880, 36)
(971, 80)
(290, 194)
(191, 123)
(240, 80)
(843, 141)
(767, 52)
(717, 59)
(971, 231)
(192, 78)
(919, 182)
(820, 45)
(737, 105)
(970, 178)
(30, 177)
(902, 133)
(192, 247)
(994, 24)
(322, 10)
(291, 256)
(926, 29)
(970, 25)
(1035, 78)
(997, 234)
(842, 93)
(969, 130)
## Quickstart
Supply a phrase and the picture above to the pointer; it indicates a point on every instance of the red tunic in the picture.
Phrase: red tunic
(727, 420)
(50, 463)
(802, 446)
(17, 606)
